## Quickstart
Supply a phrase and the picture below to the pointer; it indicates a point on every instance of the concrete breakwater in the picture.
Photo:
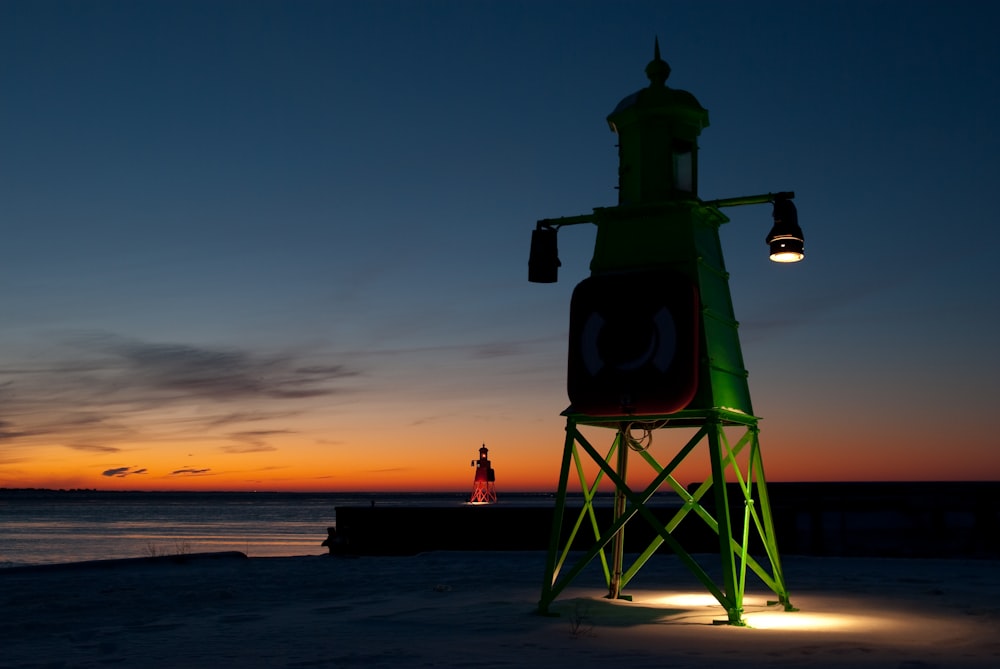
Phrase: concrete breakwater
(929, 520)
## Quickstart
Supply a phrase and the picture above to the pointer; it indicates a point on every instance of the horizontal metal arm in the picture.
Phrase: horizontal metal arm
(564, 220)
(750, 199)
(764, 198)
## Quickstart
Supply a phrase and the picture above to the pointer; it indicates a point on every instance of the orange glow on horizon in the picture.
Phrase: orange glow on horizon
(417, 458)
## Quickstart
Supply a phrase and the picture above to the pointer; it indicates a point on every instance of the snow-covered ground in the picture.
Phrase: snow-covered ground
(478, 609)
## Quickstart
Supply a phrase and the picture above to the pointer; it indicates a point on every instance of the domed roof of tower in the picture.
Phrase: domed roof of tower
(658, 97)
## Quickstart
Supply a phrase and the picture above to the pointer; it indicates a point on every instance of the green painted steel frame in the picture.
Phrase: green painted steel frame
(734, 552)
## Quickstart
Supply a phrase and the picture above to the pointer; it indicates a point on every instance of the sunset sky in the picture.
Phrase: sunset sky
(283, 245)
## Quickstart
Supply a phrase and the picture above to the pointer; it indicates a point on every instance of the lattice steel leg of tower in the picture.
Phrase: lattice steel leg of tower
(740, 459)
(483, 493)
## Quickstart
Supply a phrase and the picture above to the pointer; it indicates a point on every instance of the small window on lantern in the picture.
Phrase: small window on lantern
(683, 165)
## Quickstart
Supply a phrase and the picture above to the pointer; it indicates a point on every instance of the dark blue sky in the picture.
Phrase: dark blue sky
(300, 229)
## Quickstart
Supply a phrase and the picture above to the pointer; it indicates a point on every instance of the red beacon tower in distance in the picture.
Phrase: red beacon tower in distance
(484, 490)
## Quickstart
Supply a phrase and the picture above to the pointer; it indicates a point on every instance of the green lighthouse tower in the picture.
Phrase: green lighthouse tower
(654, 350)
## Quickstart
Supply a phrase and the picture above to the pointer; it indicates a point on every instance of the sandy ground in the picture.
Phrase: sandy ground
(469, 609)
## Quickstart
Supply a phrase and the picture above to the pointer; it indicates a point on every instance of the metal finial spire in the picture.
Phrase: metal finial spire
(658, 70)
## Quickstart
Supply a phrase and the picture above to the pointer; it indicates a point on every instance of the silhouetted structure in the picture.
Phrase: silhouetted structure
(653, 345)
(918, 520)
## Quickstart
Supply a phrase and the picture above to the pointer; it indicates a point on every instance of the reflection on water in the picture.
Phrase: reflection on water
(39, 527)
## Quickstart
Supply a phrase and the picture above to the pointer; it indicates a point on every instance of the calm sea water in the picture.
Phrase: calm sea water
(41, 527)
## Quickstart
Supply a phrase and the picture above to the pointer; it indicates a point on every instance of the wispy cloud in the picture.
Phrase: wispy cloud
(239, 417)
(93, 448)
(122, 472)
(104, 391)
(8, 430)
(253, 441)
(215, 373)
(488, 349)
(188, 471)
(499, 349)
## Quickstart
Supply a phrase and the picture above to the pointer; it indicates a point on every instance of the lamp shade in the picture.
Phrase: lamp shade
(785, 241)
(543, 261)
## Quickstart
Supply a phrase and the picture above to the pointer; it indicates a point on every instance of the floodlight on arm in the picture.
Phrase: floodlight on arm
(785, 241)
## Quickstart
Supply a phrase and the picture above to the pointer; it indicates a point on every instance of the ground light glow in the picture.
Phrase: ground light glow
(758, 614)
(800, 621)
